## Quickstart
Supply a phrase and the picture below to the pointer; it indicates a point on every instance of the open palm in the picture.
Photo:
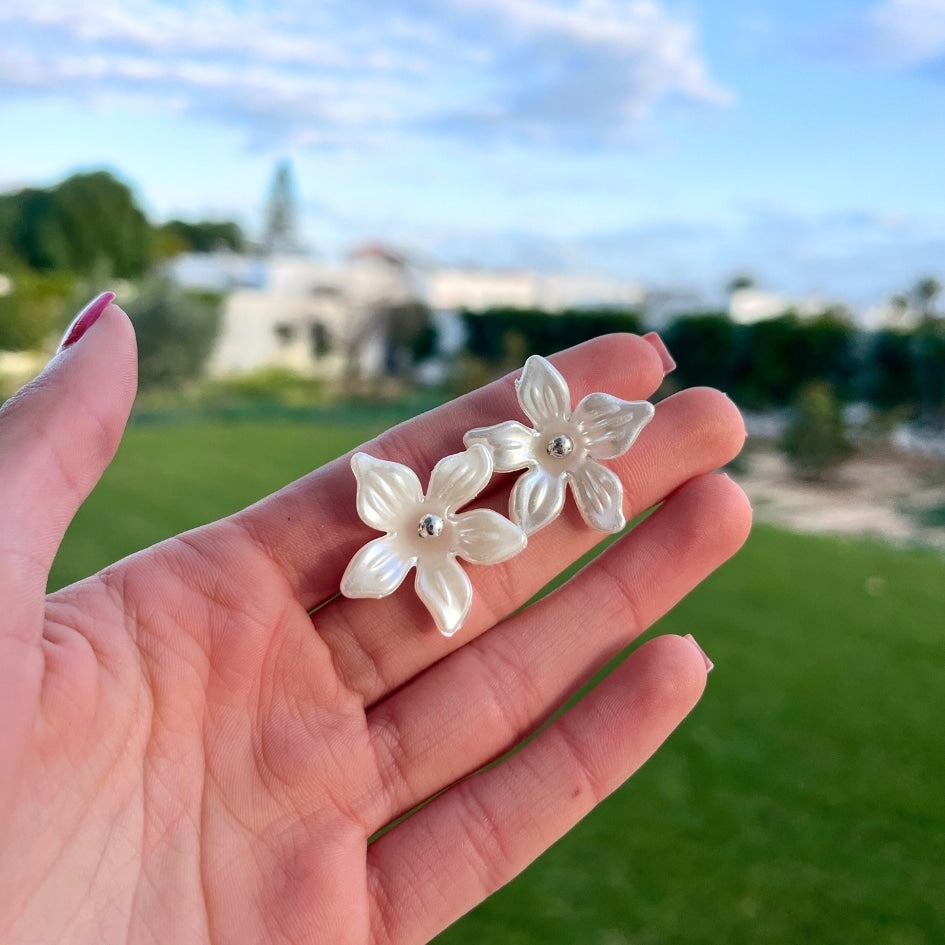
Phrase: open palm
(198, 743)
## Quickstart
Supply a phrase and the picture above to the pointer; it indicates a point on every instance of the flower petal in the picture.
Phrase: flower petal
(485, 537)
(385, 489)
(599, 496)
(377, 570)
(543, 392)
(537, 499)
(446, 590)
(611, 424)
(459, 478)
(511, 444)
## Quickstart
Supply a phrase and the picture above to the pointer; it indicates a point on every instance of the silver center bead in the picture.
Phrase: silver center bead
(430, 526)
(560, 446)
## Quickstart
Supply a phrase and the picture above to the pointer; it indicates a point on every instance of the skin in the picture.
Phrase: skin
(187, 755)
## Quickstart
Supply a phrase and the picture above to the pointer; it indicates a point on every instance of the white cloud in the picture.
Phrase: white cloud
(897, 34)
(909, 32)
(354, 72)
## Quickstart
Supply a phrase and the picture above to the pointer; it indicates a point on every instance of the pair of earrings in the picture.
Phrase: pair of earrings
(425, 530)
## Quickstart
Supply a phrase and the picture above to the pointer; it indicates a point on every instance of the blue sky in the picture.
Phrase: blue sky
(675, 144)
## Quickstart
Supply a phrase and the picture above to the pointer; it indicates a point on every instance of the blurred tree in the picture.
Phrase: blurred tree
(926, 293)
(831, 350)
(281, 227)
(888, 380)
(176, 332)
(739, 282)
(31, 235)
(178, 236)
(769, 368)
(87, 220)
(541, 332)
(166, 243)
(899, 307)
(815, 441)
(485, 330)
(575, 325)
(33, 310)
(776, 357)
(928, 355)
(9, 212)
(704, 347)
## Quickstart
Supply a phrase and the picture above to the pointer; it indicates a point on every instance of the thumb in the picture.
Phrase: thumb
(57, 435)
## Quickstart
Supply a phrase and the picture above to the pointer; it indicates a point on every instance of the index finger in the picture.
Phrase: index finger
(310, 529)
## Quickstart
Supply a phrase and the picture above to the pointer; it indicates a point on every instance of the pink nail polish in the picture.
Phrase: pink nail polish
(656, 343)
(709, 665)
(86, 319)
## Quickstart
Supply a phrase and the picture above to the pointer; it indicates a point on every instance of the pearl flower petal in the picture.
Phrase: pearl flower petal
(599, 497)
(447, 592)
(485, 537)
(563, 448)
(377, 570)
(511, 444)
(425, 531)
(542, 392)
(384, 490)
(610, 424)
(537, 499)
(459, 478)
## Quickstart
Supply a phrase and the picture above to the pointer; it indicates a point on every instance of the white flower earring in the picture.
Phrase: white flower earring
(563, 447)
(426, 532)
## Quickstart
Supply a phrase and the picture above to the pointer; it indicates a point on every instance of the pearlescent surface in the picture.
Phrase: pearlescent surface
(427, 533)
(563, 449)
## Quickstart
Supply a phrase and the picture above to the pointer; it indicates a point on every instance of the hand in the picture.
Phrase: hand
(197, 743)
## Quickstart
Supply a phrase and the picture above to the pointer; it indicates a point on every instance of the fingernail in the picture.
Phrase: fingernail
(656, 343)
(709, 665)
(86, 319)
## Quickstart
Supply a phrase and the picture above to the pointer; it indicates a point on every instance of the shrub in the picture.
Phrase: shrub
(176, 332)
(269, 385)
(814, 440)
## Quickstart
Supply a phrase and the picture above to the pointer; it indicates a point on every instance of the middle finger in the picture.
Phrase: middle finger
(380, 644)
(483, 700)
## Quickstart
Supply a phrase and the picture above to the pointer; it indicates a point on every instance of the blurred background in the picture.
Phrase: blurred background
(326, 218)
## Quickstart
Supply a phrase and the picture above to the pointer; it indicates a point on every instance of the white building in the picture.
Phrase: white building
(320, 317)
(889, 314)
(661, 306)
(216, 272)
(478, 290)
(312, 316)
(584, 290)
(750, 305)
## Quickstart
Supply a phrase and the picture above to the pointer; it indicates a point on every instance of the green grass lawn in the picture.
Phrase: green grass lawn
(166, 479)
(802, 802)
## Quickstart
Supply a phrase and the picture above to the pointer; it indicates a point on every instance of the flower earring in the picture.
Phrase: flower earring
(427, 532)
(563, 448)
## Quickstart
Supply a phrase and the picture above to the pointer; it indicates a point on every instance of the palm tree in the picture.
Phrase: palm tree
(926, 292)
(742, 281)
(899, 308)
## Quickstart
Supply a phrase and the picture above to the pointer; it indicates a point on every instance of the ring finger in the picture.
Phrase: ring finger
(379, 645)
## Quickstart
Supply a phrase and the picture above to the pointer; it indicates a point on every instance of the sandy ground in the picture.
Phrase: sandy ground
(879, 494)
